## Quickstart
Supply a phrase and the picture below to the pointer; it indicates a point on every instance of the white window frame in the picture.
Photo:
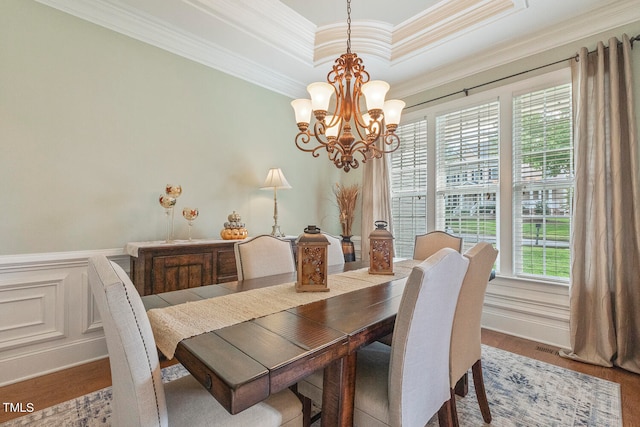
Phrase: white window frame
(504, 94)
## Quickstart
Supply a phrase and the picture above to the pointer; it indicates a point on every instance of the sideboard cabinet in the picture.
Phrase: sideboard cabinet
(161, 267)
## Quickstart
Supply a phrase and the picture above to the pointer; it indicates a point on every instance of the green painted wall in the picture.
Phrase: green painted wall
(93, 124)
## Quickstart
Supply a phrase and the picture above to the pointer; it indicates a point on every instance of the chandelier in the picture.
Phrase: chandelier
(349, 132)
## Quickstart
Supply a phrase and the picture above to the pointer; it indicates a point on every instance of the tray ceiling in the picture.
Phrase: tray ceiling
(413, 44)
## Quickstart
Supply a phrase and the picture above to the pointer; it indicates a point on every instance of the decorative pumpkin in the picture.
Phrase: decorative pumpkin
(234, 229)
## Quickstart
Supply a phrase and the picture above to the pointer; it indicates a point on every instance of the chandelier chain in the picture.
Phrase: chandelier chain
(348, 26)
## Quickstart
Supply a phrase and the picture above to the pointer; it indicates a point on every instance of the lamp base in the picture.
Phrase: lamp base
(276, 231)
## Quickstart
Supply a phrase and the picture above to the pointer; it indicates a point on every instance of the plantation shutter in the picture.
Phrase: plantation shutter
(409, 186)
(543, 182)
(467, 147)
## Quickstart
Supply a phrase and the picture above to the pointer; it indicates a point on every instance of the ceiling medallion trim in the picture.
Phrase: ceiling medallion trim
(367, 37)
(412, 37)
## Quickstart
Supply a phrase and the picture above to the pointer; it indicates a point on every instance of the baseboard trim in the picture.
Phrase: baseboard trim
(530, 310)
(53, 359)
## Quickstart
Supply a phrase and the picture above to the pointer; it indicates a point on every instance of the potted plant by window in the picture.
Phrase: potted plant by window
(346, 196)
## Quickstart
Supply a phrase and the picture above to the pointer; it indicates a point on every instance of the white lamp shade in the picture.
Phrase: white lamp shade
(275, 179)
(320, 95)
(374, 93)
(302, 107)
(392, 111)
(332, 132)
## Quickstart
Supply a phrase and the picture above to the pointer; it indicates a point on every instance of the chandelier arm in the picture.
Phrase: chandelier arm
(305, 138)
(360, 146)
(334, 149)
(320, 128)
(354, 163)
(336, 156)
(392, 140)
(337, 113)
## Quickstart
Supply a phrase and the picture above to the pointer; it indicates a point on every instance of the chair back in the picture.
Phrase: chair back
(138, 393)
(335, 255)
(419, 367)
(263, 255)
(465, 336)
(430, 243)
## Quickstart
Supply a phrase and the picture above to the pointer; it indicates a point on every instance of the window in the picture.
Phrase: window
(542, 181)
(467, 143)
(495, 166)
(409, 186)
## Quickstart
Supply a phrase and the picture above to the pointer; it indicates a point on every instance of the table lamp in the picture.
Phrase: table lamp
(276, 180)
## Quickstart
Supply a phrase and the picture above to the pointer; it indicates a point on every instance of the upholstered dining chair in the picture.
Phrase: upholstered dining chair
(430, 243)
(335, 256)
(139, 396)
(466, 346)
(263, 255)
(427, 245)
(407, 383)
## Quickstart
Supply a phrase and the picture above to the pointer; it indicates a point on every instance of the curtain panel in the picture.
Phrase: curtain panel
(376, 198)
(605, 283)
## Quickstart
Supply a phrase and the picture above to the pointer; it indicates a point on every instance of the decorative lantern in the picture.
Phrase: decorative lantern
(380, 250)
(312, 261)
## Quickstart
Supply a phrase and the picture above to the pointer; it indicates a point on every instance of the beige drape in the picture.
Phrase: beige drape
(376, 199)
(605, 270)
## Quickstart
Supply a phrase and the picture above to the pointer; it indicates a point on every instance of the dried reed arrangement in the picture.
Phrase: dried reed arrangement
(346, 196)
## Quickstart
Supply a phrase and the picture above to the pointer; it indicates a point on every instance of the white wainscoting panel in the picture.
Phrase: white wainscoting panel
(32, 312)
(49, 321)
(528, 309)
(48, 318)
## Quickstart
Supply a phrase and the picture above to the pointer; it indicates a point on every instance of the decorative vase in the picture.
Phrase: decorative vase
(348, 249)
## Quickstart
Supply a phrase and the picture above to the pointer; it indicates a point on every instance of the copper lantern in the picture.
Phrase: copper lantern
(380, 250)
(312, 251)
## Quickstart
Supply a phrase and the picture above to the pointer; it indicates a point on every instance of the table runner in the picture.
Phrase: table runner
(171, 325)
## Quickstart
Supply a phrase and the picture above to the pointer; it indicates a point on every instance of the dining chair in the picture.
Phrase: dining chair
(335, 256)
(466, 348)
(139, 396)
(425, 246)
(430, 243)
(263, 255)
(408, 382)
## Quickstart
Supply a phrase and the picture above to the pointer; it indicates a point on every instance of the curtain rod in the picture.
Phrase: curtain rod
(466, 90)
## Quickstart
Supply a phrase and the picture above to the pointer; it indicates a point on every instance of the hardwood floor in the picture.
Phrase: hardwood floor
(58, 387)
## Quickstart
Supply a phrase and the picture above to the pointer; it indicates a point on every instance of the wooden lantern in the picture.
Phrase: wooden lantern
(380, 250)
(312, 250)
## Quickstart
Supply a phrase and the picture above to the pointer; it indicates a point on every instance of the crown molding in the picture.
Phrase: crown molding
(281, 28)
(447, 20)
(608, 17)
(269, 21)
(157, 33)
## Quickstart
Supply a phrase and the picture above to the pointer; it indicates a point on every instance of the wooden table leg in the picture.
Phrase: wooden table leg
(339, 391)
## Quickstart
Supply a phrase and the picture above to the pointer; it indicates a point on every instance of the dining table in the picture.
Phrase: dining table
(243, 363)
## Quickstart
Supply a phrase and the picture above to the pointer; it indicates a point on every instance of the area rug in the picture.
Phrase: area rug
(521, 392)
